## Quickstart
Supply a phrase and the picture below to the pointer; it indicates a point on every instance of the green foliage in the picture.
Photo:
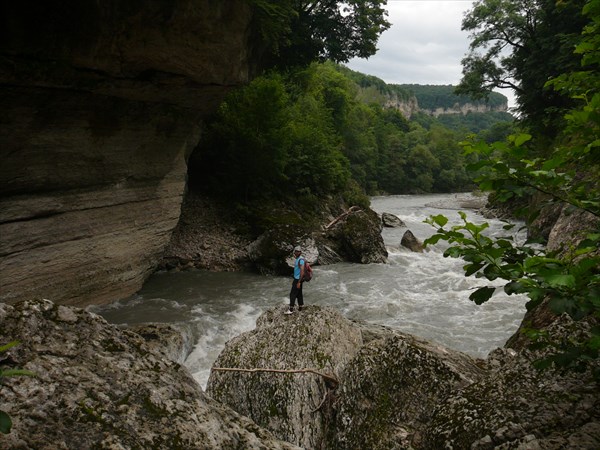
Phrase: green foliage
(520, 44)
(308, 135)
(5, 421)
(568, 278)
(299, 33)
(431, 97)
(498, 122)
(246, 140)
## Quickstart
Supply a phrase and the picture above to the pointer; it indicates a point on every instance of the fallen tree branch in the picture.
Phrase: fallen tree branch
(327, 377)
(325, 397)
(341, 216)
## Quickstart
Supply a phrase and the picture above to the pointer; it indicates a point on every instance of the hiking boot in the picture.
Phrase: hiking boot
(300, 308)
(289, 311)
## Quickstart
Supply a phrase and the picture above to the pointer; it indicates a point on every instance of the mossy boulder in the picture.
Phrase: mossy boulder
(357, 238)
(390, 389)
(294, 406)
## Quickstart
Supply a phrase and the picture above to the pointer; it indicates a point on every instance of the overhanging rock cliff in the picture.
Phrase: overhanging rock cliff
(100, 105)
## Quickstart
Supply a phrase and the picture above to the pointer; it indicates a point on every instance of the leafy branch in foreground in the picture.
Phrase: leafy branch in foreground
(566, 173)
(5, 421)
(569, 284)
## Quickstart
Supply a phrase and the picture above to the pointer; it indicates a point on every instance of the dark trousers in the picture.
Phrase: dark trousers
(296, 293)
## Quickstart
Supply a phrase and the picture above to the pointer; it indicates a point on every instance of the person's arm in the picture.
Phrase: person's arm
(301, 264)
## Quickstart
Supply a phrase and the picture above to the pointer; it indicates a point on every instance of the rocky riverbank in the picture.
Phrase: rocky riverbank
(96, 386)
(395, 391)
(312, 380)
(211, 236)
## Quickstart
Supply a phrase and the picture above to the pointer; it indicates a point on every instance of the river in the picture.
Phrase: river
(423, 294)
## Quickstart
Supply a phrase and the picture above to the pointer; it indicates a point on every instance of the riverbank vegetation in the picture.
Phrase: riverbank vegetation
(555, 156)
(313, 132)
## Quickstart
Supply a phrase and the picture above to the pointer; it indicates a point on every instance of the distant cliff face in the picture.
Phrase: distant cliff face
(464, 109)
(100, 105)
(411, 106)
(406, 107)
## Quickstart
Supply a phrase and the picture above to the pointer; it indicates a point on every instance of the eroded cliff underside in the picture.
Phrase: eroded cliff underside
(100, 105)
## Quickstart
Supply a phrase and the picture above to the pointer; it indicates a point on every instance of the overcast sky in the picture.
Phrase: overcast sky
(424, 45)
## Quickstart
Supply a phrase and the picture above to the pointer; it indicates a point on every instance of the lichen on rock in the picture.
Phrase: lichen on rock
(99, 387)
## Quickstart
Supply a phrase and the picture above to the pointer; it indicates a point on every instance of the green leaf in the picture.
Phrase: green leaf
(453, 252)
(470, 269)
(5, 423)
(432, 240)
(482, 295)
(440, 220)
(560, 280)
(514, 287)
(520, 139)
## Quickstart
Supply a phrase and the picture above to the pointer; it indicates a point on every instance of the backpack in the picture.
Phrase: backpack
(308, 272)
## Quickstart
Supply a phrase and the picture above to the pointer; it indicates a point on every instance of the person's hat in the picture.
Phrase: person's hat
(297, 249)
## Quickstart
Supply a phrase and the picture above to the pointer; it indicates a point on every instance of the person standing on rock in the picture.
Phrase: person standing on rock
(296, 291)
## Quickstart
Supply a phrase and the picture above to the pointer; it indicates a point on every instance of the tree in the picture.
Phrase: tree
(321, 30)
(520, 44)
(242, 155)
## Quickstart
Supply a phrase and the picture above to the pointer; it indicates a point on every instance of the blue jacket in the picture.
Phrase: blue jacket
(299, 262)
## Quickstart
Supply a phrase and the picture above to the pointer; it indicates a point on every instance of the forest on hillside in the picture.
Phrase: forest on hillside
(431, 97)
(312, 132)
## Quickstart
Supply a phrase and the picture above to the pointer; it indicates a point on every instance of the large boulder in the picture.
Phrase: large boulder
(96, 386)
(388, 383)
(518, 406)
(101, 103)
(389, 391)
(356, 237)
(294, 406)
(391, 220)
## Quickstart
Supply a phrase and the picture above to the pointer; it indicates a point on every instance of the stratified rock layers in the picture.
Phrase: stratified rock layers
(100, 105)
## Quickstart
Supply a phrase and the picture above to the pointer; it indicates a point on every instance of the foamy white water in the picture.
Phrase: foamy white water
(419, 293)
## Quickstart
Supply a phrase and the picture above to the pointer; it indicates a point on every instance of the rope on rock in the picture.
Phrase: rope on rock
(330, 378)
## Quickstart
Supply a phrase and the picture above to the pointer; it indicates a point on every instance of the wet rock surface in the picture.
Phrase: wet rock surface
(391, 221)
(357, 238)
(410, 241)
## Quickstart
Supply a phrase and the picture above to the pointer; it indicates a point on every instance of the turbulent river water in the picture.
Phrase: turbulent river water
(423, 294)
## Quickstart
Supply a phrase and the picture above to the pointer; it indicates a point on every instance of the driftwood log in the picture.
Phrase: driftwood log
(341, 216)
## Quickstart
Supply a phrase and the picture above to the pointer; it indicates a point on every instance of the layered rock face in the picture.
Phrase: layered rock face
(98, 387)
(100, 105)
